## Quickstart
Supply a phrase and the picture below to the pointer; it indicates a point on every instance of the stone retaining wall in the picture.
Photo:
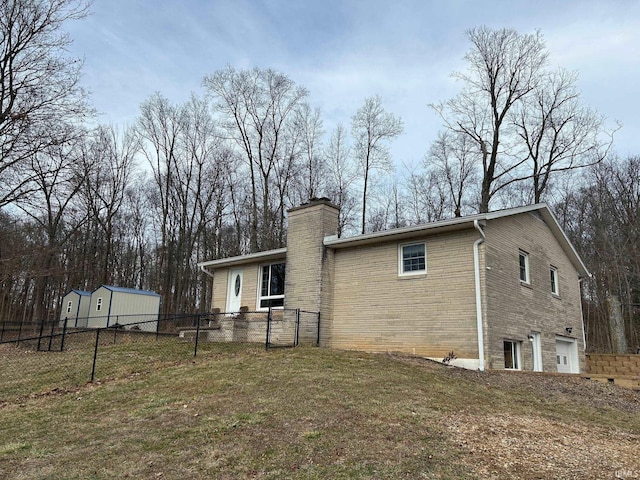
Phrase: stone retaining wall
(614, 365)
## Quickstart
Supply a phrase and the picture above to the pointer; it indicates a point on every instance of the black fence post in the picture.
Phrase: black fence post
(19, 332)
(2, 333)
(40, 335)
(268, 339)
(195, 348)
(95, 355)
(296, 336)
(64, 334)
(318, 332)
(53, 329)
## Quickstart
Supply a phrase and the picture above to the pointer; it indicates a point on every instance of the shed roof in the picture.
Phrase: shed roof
(128, 290)
(82, 293)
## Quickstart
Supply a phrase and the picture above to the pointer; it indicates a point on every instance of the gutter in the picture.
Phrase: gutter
(204, 270)
(476, 268)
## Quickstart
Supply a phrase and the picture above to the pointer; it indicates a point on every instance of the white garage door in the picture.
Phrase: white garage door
(566, 356)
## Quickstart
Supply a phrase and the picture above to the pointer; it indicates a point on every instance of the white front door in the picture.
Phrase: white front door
(565, 358)
(234, 290)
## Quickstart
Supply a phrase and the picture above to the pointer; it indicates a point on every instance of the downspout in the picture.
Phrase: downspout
(207, 272)
(584, 335)
(476, 265)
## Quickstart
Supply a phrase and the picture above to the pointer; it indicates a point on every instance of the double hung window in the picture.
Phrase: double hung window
(412, 259)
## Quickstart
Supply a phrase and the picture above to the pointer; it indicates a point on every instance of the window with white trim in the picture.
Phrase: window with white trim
(412, 258)
(69, 306)
(511, 355)
(272, 285)
(99, 304)
(524, 267)
(553, 274)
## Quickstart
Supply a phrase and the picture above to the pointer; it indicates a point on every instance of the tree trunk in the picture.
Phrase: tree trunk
(616, 324)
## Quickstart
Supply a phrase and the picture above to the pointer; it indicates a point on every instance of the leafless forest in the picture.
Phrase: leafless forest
(138, 206)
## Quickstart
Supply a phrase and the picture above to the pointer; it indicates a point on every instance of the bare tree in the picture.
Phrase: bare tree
(602, 220)
(257, 107)
(372, 127)
(308, 124)
(503, 67)
(108, 164)
(559, 133)
(159, 126)
(341, 178)
(454, 159)
(52, 209)
(427, 196)
(39, 89)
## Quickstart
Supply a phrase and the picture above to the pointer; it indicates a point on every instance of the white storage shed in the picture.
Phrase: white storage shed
(124, 306)
(75, 308)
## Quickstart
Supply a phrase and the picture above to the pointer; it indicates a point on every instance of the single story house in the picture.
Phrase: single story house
(75, 308)
(498, 290)
(123, 306)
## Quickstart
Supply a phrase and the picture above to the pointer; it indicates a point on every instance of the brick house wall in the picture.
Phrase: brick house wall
(514, 309)
(431, 315)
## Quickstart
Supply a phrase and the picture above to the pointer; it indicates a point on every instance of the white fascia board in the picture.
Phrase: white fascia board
(402, 233)
(565, 243)
(277, 254)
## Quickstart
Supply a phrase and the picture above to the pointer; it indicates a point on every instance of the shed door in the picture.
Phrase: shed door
(565, 357)
(234, 290)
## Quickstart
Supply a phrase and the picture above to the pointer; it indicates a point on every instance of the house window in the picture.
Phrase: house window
(553, 272)
(99, 304)
(272, 285)
(524, 267)
(69, 306)
(412, 258)
(511, 355)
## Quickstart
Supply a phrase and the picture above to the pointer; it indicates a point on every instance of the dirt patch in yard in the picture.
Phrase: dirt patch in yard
(547, 443)
(508, 446)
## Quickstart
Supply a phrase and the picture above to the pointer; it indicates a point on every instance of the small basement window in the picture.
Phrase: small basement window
(272, 285)
(412, 258)
(511, 355)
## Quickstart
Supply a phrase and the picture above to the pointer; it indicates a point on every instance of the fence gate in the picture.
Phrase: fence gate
(290, 328)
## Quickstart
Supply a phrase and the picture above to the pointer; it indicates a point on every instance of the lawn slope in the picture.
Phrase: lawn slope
(315, 414)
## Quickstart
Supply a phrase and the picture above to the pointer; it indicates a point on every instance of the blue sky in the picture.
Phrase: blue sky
(344, 51)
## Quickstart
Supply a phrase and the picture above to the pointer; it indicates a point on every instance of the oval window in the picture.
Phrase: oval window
(237, 285)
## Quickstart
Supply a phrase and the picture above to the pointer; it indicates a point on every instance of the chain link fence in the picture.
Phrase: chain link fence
(50, 356)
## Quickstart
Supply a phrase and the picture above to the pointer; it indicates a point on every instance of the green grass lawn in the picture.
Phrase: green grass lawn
(313, 414)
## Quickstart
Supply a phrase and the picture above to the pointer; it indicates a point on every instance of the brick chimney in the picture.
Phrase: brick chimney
(309, 267)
